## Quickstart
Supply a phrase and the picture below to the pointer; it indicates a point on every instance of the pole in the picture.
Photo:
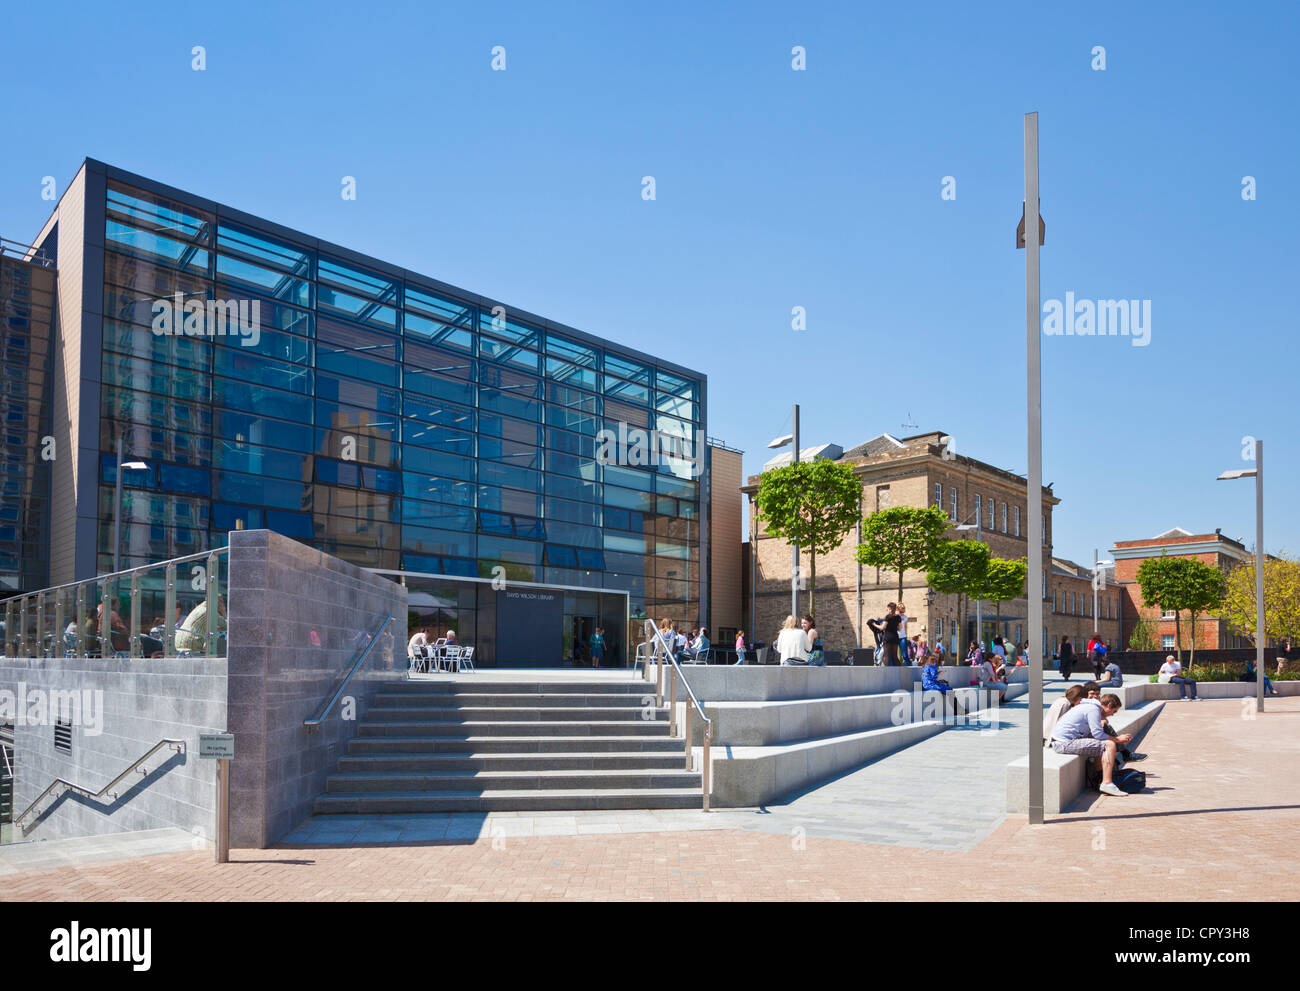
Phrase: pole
(794, 570)
(222, 845)
(1095, 624)
(979, 603)
(1259, 576)
(1034, 417)
(117, 507)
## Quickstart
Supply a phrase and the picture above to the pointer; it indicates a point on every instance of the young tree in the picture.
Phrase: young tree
(1143, 637)
(959, 567)
(1004, 581)
(1281, 599)
(810, 503)
(902, 537)
(1199, 588)
(1155, 575)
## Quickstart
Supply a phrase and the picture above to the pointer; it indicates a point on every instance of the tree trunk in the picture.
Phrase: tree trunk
(1192, 659)
(812, 585)
(900, 581)
(1178, 636)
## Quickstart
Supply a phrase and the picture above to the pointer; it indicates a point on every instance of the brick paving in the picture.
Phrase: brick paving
(1225, 799)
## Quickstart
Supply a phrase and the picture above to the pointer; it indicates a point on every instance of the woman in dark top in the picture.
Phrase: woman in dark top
(817, 657)
(1067, 658)
(890, 625)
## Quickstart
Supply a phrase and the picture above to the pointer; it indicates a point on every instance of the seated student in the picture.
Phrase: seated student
(696, 648)
(1079, 731)
(793, 644)
(988, 679)
(1250, 675)
(1092, 691)
(1114, 677)
(1058, 709)
(1171, 673)
(931, 682)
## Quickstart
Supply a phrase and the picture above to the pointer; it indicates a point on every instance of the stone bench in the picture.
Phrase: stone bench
(1063, 774)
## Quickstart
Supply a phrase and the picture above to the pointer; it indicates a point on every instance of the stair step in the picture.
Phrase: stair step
(496, 700)
(533, 800)
(630, 687)
(638, 727)
(471, 745)
(447, 714)
(477, 781)
(517, 762)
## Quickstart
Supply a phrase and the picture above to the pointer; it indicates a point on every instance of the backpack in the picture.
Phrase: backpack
(1129, 780)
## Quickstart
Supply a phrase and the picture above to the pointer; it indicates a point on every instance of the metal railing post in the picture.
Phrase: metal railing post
(57, 646)
(687, 732)
(169, 614)
(704, 771)
(40, 625)
(135, 615)
(9, 626)
(672, 707)
(24, 649)
(79, 642)
(210, 636)
(107, 589)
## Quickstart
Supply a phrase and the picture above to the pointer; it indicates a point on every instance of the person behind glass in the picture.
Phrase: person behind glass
(889, 627)
(816, 655)
(597, 646)
(1066, 652)
(1251, 675)
(740, 648)
(793, 644)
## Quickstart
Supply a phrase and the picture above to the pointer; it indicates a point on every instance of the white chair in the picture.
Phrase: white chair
(466, 659)
(431, 657)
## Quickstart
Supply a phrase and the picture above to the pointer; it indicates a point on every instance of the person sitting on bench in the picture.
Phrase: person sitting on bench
(1251, 676)
(1092, 691)
(1171, 673)
(1058, 709)
(931, 682)
(988, 679)
(793, 644)
(1080, 732)
(1114, 677)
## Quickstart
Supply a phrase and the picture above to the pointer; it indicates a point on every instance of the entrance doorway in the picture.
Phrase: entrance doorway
(577, 639)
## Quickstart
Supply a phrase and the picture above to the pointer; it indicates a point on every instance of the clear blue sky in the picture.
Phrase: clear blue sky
(775, 189)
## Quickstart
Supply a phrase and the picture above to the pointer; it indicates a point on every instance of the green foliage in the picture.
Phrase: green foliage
(1143, 637)
(1004, 580)
(1281, 599)
(959, 567)
(1181, 584)
(810, 503)
(902, 537)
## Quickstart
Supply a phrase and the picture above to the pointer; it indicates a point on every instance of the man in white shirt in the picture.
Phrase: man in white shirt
(1079, 731)
(1171, 672)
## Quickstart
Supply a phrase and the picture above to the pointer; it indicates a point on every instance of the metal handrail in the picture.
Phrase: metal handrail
(653, 633)
(314, 724)
(177, 745)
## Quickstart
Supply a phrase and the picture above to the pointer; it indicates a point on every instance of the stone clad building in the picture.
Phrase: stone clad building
(921, 471)
(1071, 608)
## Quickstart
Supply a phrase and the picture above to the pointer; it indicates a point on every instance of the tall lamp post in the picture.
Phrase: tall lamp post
(1256, 473)
(979, 603)
(777, 443)
(117, 502)
(1097, 568)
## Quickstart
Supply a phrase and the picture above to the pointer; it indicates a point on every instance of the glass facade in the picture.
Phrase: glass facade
(26, 446)
(393, 424)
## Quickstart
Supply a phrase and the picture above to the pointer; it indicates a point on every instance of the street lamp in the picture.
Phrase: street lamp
(776, 443)
(1099, 566)
(979, 603)
(117, 501)
(1258, 474)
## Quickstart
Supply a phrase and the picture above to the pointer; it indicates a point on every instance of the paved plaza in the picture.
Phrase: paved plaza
(925, 823)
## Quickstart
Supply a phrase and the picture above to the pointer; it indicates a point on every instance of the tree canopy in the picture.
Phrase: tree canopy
(902, 537)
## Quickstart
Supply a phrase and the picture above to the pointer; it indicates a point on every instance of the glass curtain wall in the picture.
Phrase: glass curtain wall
(385, 422)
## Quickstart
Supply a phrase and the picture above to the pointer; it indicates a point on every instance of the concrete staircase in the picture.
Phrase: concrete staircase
(512, 746)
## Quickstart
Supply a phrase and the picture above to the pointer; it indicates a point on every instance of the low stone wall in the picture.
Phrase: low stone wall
(298, 618)
(123, 708)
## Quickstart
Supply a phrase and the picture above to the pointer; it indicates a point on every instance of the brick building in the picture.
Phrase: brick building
(1072, 612)
(724, 612)
(915, 471)
(1213, 549)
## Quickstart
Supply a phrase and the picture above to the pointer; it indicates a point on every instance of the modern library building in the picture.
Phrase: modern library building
(240, 375)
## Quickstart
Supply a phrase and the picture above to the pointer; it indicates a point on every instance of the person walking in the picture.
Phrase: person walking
(597, 646)
(740, 648)
(1066, 652)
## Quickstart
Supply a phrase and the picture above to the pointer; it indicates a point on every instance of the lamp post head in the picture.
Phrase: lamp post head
(135, 466)
(781, 441)
(1236, 473)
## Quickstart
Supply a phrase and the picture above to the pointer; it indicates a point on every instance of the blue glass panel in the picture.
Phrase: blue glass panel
(434, 487)
(632, 371)
(180, 478)
(676, 386)
(572, 488)
(440, 438)
(457, 338)
(265, 250)
(156, 248)
(437, 514)
(592, 559)
(357, 308)
(570, 374)
(444, 309)
(272, 283)
(503, 549)
(627, 391)
(509, 329)
(424, 460)
(364, 395)
(351, 350)
(508, 354)
(573, 352)
(420, 411)
(255, 460)
(572, 419)
(492, 473)
(510, 403)
(509, 501)
(357, 280)
(242, 363)
(440, 386)
(443, 543)
(351, 474)
(280, 494)
(271, 402)
(564, 557)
